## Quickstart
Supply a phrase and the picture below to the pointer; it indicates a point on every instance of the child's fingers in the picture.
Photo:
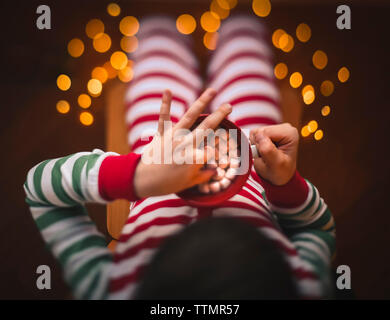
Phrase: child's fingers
(195, 110)
(267, 149)
(165, 110)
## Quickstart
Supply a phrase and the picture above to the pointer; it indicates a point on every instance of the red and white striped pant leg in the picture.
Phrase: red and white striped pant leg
(163, 60)
(241, 70)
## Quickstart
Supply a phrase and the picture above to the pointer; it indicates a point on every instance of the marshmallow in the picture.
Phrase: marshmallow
(231, 173)
(204, 188)
(219, 175)
(215, 187)
(225, 182)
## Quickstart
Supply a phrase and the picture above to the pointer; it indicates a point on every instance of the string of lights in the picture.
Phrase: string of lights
(121, 67)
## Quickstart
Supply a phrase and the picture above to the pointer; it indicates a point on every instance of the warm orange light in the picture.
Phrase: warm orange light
(63, 106)
(277, 34)
(286, 42)
(327, 88)
(308, 94)
(94, 27)
(94, 87)
(325, 110)
(343, 74)
(186, 24)
(84, 101)
(296, 79)
(75, 47)
(262, 8)
(113, 9)
(227, 4)
(118, 60)
(63, 82)
(111, 72)
(280, 70)
(320, 59)
(305, 131)
(319, 135)
(86, 118)
(303, 32)
(217, 9)
(126, 74)
(312, 126)
(210, 21)
(129, 44)
(129, 26)
(100, 73)
(101, 42)
(210, 40)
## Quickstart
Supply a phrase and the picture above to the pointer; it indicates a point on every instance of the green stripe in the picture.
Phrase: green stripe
(85, 243)
(93, 285)
(320, 268)
(56, 181)
(319, 245)
(287, 215)
(91, 161)
(328, 238)
(38, 181)
(59, 214)
(88, 267)
(76, 174)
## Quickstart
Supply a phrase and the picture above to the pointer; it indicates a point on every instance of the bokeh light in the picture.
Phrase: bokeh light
(129, 26)
(227, 4)
(312, 126)
(286, 42)
(94, 27)
(280, 70)
(325, 110)
(327, 88)
(296, 79)
(261, 8)
(186, 24)
(343, 74)
(63, 82)
(94, 87)
(63, 106)
(102, 42)
(118, 60)
(125, 74)
(75, 47)
(210, 40)
(276, 35)
(305, 131)
(129, 44)
(210, 21)
(319, 134)
(113, 9)
(223, 13)
(84, 101)
(320, 59)
(86, 118)
(111, 72)
(100, 73)
(303, 32)
(308, 94)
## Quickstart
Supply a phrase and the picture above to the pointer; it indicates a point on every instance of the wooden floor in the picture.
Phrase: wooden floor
(349, 166)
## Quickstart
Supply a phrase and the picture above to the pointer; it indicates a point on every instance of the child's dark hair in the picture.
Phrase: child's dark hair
(217, 258)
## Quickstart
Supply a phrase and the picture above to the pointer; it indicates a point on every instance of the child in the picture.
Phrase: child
(169, 249)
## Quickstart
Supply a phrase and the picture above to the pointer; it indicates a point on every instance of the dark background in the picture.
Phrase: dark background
(349, 165)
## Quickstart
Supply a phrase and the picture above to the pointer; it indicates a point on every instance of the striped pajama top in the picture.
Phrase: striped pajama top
(56, 191)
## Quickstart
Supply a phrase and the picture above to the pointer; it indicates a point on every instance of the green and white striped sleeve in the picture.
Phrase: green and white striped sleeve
(56, 191)
(309, 225)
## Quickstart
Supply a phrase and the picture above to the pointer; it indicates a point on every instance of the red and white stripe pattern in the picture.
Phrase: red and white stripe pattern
(241, 72)
(163, 60)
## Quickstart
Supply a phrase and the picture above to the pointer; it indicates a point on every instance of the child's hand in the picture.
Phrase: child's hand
(277, 146)
(152, 179)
